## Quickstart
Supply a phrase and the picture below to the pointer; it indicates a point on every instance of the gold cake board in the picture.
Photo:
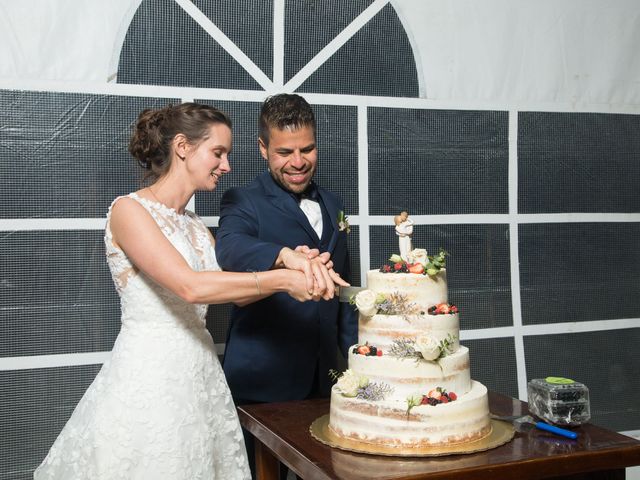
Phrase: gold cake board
(501, 433)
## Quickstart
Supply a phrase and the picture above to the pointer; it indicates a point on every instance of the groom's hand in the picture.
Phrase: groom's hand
(325, 257)
(321, 279)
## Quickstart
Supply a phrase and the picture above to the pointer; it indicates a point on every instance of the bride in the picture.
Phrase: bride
(160, 407)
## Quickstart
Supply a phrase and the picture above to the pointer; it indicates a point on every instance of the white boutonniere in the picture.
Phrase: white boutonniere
(343, 223)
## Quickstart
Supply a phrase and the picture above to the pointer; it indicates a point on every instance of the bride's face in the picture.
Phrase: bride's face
(208, 160)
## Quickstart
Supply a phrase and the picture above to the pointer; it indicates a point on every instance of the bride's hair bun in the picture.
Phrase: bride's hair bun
(155, 129)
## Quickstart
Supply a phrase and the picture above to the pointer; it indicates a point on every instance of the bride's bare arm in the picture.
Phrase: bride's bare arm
(137, 234)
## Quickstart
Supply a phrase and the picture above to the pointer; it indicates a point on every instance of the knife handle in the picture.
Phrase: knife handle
(558, 431)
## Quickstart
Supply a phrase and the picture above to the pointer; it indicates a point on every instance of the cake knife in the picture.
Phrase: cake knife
(518, 420)
(345, 293)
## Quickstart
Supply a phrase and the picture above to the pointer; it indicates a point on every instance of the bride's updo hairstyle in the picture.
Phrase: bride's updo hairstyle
(155, 129)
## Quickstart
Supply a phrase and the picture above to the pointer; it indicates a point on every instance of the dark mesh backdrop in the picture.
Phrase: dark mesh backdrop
(165, 46)
(35, 405)
(377, 60)
(322, 20)
(248, 24)
(57, 294)
(502, 376)
(337, 137)
(434, 162)
(65, 154)
(578, 162)
(576, 272)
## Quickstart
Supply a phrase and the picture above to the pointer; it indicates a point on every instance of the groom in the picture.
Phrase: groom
(279, 349)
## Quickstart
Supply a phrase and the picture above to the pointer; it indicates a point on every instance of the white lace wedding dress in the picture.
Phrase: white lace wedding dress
(160, 407)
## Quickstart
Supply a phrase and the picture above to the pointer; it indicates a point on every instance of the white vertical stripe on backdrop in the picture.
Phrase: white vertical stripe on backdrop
(363, 193)
(278, 44)
(514, 260)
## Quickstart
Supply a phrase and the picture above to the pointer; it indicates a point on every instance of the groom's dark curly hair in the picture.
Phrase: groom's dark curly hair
(285, 111)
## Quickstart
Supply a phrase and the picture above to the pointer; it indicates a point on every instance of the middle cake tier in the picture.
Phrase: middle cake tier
(408, 376)
(384, 330)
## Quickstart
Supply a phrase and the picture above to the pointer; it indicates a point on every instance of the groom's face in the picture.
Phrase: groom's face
(292, 156)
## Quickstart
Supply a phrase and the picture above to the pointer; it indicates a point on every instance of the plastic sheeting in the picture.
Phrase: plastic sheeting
(63, 158)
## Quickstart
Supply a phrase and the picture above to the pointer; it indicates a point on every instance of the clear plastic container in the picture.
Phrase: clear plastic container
(559, 401)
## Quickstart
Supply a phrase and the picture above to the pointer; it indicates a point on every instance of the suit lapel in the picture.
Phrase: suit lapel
(332, 211)
(285, 202)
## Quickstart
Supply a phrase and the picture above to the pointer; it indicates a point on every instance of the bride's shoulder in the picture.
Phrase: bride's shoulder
(126, 205)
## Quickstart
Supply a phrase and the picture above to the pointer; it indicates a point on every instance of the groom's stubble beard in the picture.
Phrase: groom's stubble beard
(292, 188)
(297, 189)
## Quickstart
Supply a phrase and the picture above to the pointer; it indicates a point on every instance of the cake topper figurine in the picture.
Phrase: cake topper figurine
(404, 229)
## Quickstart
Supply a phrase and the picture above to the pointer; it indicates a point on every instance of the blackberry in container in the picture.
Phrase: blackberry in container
(559, 401)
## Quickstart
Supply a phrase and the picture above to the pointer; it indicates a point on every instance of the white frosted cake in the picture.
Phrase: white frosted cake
(408, 383)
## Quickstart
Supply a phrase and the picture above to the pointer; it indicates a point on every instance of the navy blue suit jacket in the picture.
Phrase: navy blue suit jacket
(274, 345)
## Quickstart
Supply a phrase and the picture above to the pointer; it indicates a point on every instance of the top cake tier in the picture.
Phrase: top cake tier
(422, 290)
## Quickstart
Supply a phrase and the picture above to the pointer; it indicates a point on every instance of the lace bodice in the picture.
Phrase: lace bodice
(143, 299)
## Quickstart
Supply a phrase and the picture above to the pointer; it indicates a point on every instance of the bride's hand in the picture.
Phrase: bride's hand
(297, 287)
(297, 260)
(309, 252)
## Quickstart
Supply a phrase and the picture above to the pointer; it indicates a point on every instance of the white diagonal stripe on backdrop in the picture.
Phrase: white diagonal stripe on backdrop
(226, 43)
(335, 44)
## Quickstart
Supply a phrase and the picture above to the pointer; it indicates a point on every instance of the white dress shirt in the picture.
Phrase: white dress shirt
(312, 210)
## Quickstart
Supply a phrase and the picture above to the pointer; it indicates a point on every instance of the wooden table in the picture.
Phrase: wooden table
(282, 434)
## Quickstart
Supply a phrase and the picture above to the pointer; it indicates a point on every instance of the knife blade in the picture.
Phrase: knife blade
(345, 293)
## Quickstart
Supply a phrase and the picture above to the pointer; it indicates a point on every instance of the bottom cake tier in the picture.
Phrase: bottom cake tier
(390, 423)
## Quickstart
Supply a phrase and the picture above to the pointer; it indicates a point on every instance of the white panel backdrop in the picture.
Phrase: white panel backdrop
(573, 53)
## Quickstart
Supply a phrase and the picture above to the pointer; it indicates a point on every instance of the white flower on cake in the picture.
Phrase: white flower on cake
(366, 303)
(418, 255)
(395, 258)
(350, 382)
(423, 347)
(429, 347)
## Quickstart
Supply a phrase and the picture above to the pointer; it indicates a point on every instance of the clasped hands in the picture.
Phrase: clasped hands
(322, 281)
